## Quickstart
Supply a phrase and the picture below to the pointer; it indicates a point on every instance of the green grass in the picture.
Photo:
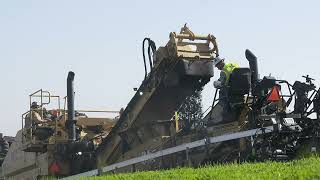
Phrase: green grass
(307, 168)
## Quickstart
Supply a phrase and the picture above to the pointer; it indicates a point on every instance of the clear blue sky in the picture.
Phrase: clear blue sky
(40, 41)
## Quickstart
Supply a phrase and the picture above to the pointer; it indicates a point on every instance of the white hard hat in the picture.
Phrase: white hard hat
(217, 60)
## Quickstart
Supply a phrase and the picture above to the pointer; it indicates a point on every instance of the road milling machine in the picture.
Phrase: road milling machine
(62, 142)
(257, 123)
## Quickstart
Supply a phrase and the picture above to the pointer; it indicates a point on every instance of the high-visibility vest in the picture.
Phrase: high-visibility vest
(227, 69)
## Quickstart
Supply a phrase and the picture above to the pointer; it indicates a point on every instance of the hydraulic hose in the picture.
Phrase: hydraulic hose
(151, 49)
(144, 58)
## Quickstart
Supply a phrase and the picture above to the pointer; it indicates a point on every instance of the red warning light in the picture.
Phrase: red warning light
(274, 94)
(54, 168)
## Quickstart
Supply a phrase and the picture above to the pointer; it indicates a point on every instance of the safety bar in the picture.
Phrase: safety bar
(179, 148)
(98, 111)
(94, 111)
(35, 94)
(40, 94)
(22, 124)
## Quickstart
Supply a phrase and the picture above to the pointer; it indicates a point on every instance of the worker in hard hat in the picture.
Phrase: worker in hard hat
(222, 83)
(35, 116)
(226, 70)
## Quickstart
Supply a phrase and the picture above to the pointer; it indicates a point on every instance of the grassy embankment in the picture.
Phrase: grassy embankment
(307, 168)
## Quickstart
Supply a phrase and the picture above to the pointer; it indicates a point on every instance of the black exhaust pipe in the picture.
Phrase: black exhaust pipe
(253, 66)
(71, 122)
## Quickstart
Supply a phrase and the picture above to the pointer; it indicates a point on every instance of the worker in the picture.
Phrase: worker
(34, 116)
(222, 83)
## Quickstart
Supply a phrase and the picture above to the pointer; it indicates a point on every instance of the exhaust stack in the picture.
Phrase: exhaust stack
(253, 66)
(71, 122)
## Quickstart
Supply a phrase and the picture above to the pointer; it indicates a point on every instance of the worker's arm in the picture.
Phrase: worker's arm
(221, 81)
(37, 118)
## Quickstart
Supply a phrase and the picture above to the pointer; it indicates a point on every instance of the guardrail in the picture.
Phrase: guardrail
(179, 148)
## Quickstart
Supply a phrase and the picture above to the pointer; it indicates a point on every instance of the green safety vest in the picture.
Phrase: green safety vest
(227, 69)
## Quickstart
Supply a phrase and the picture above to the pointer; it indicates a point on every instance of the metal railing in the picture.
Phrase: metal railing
(28, 131)
(183, 147)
